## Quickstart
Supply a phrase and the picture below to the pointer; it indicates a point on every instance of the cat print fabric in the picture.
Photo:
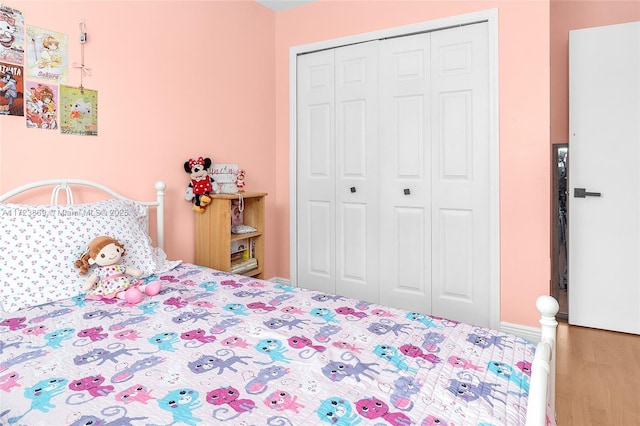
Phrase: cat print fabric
(215, 348)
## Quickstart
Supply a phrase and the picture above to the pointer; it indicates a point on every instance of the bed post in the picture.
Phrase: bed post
(543, 371)
(548, 308)
(160, 187)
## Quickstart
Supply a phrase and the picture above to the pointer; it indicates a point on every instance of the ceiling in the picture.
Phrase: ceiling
(278, 5)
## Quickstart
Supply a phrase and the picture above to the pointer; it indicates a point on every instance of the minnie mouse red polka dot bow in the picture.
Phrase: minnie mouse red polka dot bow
(193, 162)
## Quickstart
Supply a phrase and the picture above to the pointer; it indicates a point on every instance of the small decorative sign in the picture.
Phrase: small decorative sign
(224, 178)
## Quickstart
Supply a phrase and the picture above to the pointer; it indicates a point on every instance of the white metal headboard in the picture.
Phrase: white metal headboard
(66, 186)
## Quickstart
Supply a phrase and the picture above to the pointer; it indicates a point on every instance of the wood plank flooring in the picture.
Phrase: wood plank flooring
(597, 377)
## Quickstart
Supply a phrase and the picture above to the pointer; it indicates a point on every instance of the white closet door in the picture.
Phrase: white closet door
(460, 181)
(316, 171)
(337, 171)
(357, 171)
(405, 179)
(394, 207)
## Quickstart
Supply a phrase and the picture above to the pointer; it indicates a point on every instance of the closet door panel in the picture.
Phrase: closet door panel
(456, 154)
(460, 173)
(353, 217)
(316, 171)
(319, 250)
(409, 250)
(455, 268)
(405, 183)
(356, 162)
(408, 132)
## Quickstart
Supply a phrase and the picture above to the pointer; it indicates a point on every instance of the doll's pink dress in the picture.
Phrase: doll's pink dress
(111, 281)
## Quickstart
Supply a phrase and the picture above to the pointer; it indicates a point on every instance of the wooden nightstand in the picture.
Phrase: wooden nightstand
(214, 240)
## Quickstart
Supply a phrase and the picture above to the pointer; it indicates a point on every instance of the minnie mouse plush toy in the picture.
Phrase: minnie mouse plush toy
(201, 185)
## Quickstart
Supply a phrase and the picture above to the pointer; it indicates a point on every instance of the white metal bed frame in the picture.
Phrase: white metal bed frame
(542, 389)
(542, 386)
(66, 185)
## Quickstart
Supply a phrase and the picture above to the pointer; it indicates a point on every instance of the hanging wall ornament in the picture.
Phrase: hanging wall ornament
(78, 111)
(79, 105)
(84, 70)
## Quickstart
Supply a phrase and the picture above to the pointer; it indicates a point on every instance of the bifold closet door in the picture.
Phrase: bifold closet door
(393, 170)
(337, 184)
(405, 172)
(460, 174)
(434, 174)
(316, 171)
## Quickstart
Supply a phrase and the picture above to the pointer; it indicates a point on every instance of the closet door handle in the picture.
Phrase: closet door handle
(407, 191)
(352, 189)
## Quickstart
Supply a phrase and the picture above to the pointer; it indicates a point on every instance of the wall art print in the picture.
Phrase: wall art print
(78, 111)
(47, 54)
(41, 105)
(11, 35)
(11, 89)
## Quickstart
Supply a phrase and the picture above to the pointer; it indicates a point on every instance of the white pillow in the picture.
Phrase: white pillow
(38, 245)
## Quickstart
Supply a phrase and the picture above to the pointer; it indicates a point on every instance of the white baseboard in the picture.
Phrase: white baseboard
(526, 332)
(280, 280)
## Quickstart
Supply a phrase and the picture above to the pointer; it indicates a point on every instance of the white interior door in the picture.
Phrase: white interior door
(435, 183)
(405, 172)
(316, 182)
(356, 70)
(604, 158)
(460, 174)
(337, 171)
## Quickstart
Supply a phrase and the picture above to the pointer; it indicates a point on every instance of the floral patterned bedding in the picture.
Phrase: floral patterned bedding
(214, 348)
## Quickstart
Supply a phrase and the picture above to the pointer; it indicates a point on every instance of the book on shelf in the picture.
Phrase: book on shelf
(243, 265)
(235, 257)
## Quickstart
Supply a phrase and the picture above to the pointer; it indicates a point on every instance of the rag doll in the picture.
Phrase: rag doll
(110, 278)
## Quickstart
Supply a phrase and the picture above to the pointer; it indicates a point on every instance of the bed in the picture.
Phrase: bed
(216, 348)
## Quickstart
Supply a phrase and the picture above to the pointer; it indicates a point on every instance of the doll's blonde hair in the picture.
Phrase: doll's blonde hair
(97, 244)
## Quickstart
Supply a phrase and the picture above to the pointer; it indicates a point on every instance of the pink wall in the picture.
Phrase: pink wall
(573, 15)
(175, 80)
(524, 122)
(180, 79)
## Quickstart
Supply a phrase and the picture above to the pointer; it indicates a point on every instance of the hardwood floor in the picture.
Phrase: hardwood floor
(597, 377)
